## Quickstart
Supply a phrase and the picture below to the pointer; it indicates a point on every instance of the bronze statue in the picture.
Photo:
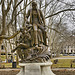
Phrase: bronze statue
(38, 22)
(32, 42)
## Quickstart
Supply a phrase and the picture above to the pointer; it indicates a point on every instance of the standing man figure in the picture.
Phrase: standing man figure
(36, 18)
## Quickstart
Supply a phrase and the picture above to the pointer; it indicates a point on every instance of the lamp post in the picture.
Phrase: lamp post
(68, 49)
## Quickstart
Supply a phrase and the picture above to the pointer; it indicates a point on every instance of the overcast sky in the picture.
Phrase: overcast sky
(69, 24)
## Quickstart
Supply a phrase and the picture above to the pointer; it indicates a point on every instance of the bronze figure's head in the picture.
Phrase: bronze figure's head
(34, 5)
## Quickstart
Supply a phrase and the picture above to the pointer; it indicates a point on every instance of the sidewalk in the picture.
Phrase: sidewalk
(52, 69)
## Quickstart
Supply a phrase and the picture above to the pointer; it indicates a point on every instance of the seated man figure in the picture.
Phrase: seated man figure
(24, 40)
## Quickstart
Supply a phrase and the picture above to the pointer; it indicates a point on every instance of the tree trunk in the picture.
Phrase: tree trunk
(0, 53)
(17, 60)
(3, 19)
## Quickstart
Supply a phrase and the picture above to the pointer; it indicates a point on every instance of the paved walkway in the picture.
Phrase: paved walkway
(52, 69)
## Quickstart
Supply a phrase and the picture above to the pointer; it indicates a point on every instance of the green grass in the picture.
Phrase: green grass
(9, 65)
(3, 57)
(67, 56)
(63, 63)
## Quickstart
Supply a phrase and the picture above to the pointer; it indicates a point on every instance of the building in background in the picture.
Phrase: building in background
(69, 46)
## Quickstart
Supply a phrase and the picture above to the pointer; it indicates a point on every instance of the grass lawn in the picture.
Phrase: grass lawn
(8, 65)
(3, 57)
(63, 63)
(67, 56)
(5, 64)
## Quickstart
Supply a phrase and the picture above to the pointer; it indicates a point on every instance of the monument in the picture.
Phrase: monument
(33, 45)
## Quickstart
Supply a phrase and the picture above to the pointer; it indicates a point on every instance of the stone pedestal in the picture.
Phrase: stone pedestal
(36, 69)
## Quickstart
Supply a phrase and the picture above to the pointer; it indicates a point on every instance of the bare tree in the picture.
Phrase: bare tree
(59, 14)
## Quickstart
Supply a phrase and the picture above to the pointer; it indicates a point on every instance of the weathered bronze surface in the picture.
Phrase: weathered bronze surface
(32, 42)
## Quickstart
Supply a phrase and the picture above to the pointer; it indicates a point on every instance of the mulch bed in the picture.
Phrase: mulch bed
(57, 72)
(13, 72)
(64, 72)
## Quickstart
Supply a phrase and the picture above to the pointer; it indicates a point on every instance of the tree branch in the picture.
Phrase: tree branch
(60, 12)
(9, 37)
(18, 4)
(17, 14)
(23, 8)
(8, 8)
(13, 12)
